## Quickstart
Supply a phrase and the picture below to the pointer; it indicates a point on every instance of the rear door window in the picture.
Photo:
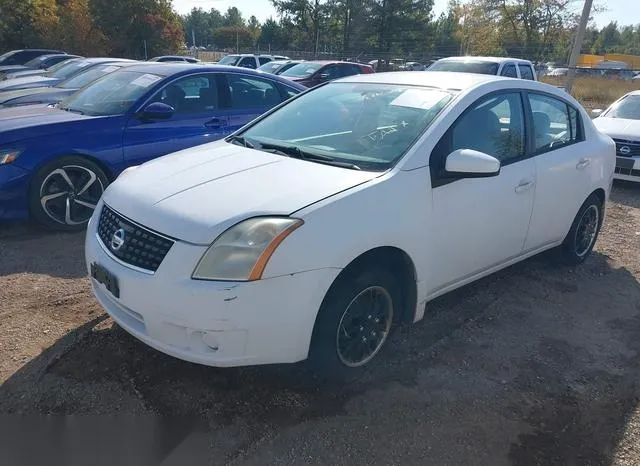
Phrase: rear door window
(526, 72)
(509, 71)
(252, 92)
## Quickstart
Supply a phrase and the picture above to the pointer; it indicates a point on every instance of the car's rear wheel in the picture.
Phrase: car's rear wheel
(64, 193)
(584, 231)
(354, 322)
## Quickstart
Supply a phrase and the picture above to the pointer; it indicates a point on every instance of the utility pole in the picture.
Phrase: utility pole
(575, 51)
(145, 49)
(237, 41)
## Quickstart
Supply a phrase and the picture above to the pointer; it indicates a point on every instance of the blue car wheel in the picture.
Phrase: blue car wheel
(63, 194)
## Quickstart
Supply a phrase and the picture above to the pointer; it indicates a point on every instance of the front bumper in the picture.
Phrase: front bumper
(210, 322)
(627, 168)
(13, 192)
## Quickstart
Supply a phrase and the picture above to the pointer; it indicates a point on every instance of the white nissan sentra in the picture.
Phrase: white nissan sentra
(320, 226)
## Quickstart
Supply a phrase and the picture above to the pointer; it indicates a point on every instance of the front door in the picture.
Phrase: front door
(197, 119)
(479, 223)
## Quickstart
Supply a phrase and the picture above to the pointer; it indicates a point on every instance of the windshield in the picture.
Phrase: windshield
(36, 61)
(270, 67)
(85, 77)
(112, 94)
(368, 125)
(628, 107)
(302, 70)
(480, 67)
(68, 68)
(229, 60)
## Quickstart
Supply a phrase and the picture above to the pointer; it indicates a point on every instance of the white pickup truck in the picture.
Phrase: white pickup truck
(499, 66)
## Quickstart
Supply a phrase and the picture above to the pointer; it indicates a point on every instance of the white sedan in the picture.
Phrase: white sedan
(320, 226)
(621, 121)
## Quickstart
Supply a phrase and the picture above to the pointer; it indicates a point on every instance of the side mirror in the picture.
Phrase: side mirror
(596, 112)
(324, 76)
(156, 111)
(469, 163)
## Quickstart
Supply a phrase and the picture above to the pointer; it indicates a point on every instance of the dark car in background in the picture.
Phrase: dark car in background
(175, 58)
(56, 74)
(54, 94)
(38, 64)
(20, 57)
(313, 73)
(56, 161)
(279, 66)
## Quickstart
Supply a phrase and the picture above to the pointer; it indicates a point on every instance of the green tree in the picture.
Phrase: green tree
(233, 18)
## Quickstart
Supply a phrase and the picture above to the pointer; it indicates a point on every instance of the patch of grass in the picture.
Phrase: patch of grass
(593, 92)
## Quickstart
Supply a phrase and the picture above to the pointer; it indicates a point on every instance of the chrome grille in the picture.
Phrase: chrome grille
(632, 146)
(135, 245)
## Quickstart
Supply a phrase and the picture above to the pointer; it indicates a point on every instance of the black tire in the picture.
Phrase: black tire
(71, 181)
(576, 248)
(324, 356)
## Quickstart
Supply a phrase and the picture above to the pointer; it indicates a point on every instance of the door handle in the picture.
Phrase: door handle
(216, 123)
(524, 186)
(583, 163)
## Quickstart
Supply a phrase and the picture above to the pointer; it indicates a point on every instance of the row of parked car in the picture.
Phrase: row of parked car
(87, 119)
(212, 192)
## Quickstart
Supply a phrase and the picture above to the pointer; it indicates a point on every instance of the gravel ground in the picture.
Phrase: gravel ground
(537, 364)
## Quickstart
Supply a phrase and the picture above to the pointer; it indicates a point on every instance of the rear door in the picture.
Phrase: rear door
(564, 168)
(247, 97)
(197, 119)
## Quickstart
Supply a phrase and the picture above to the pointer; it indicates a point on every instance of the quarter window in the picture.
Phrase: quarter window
(555, 123)
(263, 60)
(494, 126)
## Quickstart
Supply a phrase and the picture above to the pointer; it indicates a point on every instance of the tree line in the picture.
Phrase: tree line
(534, 29)
(119, 28)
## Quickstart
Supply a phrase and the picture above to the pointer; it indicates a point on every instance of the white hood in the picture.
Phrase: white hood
(195, 194)
(619, 128)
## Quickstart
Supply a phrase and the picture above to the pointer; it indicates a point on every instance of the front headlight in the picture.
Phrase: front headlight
(8, 155)
(241, 253)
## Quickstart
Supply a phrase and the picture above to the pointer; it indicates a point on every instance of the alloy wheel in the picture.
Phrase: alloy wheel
(69, 194)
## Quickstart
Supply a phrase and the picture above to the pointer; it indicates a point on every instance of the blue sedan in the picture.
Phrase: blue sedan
(56, 161)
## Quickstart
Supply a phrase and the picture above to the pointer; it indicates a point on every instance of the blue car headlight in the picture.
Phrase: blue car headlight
(9, 155)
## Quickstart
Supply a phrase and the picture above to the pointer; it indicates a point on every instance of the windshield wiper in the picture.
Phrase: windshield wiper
(241, 140)
(297, 153)
(69, 109)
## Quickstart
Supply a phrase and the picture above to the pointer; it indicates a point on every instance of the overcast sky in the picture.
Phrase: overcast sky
(623, 11)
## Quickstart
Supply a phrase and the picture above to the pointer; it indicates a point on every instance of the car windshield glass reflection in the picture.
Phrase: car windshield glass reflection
(367, 125)
(628, 108)
(302, 70)
(112, 94)
(480, 67)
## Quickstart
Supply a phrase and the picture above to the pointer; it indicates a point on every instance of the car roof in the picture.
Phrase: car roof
(439, 79)
(487, 59)
(174, 68)
(333, 62)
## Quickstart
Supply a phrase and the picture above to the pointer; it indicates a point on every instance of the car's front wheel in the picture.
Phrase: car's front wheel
(64, 193)
(583, 234)
(354, 322)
